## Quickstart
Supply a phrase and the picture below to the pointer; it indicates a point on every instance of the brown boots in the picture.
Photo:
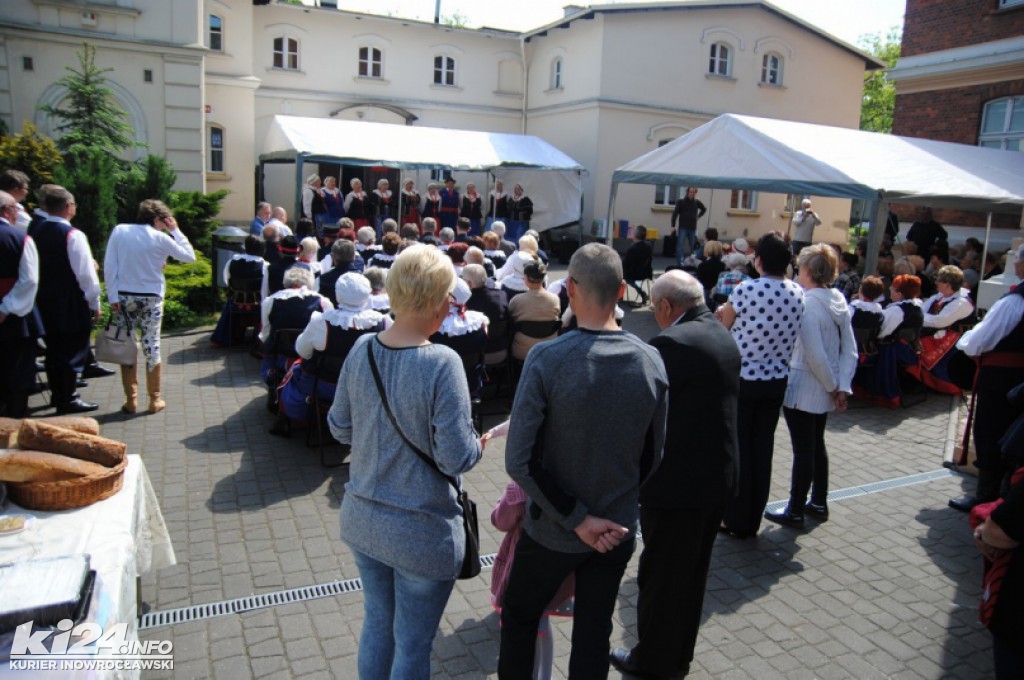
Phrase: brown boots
(156, 404)
(130, 382)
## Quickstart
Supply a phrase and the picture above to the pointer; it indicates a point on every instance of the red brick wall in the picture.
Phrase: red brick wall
(932, 25)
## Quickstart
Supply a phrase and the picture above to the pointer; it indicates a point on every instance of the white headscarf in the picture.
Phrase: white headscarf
(462, 321)
(353, 311)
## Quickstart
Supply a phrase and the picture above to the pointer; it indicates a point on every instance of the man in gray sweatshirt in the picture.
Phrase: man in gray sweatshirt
(587, 427)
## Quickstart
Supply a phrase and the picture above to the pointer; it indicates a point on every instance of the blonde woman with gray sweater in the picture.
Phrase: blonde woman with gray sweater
(822, 368)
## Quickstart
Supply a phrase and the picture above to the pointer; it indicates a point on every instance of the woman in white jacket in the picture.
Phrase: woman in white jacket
(823, 364)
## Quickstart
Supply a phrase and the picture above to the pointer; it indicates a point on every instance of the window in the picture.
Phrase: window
(216, 36)
(720, 63)
(147, 75)
(1002, 124)
(794, 202)
(216, 158)
(556, 73)
(743, 199)
(371, 61)
(1010, 3)
(286, 53)
(771, 69)
(27, 64)
(444, 70)
(666, 194)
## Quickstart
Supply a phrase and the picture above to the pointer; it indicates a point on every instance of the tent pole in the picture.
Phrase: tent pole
(876, 231)
(579, 222)
(401, 195)
(984, 249)
(299, 162)
(611, 213)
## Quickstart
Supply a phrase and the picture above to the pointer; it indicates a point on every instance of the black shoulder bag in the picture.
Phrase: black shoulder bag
(471, 560)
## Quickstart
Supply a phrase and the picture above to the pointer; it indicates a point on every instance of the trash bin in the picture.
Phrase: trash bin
(565, 247)
(227, 241)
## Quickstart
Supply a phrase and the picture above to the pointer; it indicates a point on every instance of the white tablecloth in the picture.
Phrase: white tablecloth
(125, 536)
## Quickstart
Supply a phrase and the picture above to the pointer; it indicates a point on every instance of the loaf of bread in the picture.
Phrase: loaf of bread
(41, 436)
(38, 466)
(9, 427)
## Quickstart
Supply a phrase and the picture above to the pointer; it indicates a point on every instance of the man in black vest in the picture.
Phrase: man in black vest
(19, 320)
(68, 298)
(683, 502)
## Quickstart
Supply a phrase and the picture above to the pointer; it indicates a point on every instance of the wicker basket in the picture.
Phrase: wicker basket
(69, 493)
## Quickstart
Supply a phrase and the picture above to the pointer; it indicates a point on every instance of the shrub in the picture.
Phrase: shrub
(190, 297)
(152, 177)
(88, 175)
(32, 153)
(195, 213)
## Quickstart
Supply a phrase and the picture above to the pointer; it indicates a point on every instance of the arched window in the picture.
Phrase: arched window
(215, 36)
(286, 53)
(1002, 124)
(771, 69)
(371, 62)
(215, 155)
(720, 61)
(444, 70)
(556, 73)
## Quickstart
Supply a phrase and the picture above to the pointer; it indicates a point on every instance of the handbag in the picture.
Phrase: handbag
(116, 345)
(471, 559)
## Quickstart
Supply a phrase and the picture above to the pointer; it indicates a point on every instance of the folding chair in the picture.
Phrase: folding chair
(243, 293)
(324, 365)
(531, 329)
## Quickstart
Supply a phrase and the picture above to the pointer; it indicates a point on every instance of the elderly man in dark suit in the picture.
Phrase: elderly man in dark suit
(492, 302)
(682, 503)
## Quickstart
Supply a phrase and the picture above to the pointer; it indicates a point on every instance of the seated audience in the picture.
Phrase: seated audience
(848, 281)
(457, 253)
(308, 249)
(378, 279)
(507, 247)
(867, 314)
(735, 273)
(366, 246)
(476, 256)
(905, 309)
(429, 230)
(409, 232)
(447, 237)
(385, 258)
(513, 281)
(343, 261)
(637, 263)
(539, 252)
(536, 304)
(946, 314)
(711, 266)
(465, 331)
(493, 303)
(492, 249)
(288, 250)
(247, 266)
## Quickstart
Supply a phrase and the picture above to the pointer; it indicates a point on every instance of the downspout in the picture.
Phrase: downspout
(526, 80)
(299, 161)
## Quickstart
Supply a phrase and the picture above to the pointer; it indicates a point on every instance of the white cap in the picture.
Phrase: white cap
(461, 292)
(353, 291)
(740, 245)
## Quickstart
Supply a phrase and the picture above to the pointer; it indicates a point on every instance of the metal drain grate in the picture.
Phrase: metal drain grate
(875, 487)
(198, 612)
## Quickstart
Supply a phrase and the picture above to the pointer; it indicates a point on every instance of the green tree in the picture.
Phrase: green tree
(88, 174)
(879, 96)
(456, 20)
(32, 153)
(91, 117)
(152, 177)
(196, 214)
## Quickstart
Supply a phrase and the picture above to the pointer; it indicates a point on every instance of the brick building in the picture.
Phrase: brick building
(960, 78)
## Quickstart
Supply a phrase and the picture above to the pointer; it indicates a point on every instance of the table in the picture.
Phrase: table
(126, 537)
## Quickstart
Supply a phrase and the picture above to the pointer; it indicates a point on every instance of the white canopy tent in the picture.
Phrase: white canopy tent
(761, 154)
(557, 200)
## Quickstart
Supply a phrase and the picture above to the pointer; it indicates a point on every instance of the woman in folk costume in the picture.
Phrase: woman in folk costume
(432, 203)
(520, 209)
(334, 201)
(450, 204)
(465, 331)
(472, 208)
(313, 206)
(358, 207)
(497, 204)
(410, 205)
(383, 203)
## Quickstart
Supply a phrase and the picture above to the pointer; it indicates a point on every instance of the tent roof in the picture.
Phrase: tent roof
(403, 146)
(744, 152)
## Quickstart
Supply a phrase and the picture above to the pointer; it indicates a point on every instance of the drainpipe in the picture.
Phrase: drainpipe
(437, 12)
(526, 79)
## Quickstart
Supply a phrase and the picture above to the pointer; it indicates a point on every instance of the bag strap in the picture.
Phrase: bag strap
(387, 409)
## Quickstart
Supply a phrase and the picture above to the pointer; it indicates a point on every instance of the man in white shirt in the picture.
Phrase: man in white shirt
(280, 220)
(15, 183)
(68, 298)
(804, 222)
(19, 321)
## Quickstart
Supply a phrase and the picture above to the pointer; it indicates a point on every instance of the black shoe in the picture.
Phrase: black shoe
(76, 406)
(282, 427)
(81, 382)
(965, 504)
(785, 518)
(818, 512)
(96, 371)
(644, 299)
(622, 661)
(722, 529)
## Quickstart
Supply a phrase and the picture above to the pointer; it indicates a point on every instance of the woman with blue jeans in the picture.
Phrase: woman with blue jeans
(399, 516)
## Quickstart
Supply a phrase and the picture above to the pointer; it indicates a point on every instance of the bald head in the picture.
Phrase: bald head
(674, 293)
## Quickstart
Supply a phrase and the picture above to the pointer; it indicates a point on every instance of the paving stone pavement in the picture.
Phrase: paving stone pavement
(887, 588)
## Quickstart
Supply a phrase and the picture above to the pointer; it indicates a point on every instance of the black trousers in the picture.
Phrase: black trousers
(673, 571)
(810, 459)
(65, 357)
(17, 374)
(536, 575)
(757, 418)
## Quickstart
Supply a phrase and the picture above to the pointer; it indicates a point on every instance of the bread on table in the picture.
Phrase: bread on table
(9, 427)
(38, 466)
(41, 436)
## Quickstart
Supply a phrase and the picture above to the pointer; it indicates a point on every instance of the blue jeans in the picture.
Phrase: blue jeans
(686, 244)
(401, 615)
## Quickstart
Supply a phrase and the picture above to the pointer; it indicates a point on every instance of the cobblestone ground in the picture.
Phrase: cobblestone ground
(888, 587)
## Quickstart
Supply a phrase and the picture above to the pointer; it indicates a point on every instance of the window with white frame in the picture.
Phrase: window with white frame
(666, 194)
(286, 53)
(1002, 124)
(742, 199)
(215, 157)
(215, 36)
(720, 61)
(444, 70)
(771, 69)
(1010, 3)
(556, 73)
(371, 62)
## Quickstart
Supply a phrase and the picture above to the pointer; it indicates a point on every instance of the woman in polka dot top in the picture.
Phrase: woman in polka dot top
(763, 315)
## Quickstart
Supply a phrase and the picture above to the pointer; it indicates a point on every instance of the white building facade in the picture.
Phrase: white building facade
(201, 80)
